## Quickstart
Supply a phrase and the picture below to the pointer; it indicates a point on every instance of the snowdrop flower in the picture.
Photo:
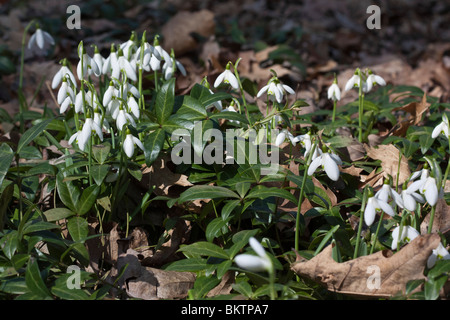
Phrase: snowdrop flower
(98, 120)
(123, 65)
(231, 109)
(442, 127)
(410, 199)
(373, 206)
(82, 137)
(63, 73)
(227, 77)
(129, 142)
(171, 66)
(372, 80)
(128, 46)
(329, 163)
(305, 142)
(148, 52)
(408, 235)
(86, 65)
(387, 192)
(39, 38)
(158, 55)
(109, 94)
(334, 93)
(65, 91)
(353, 82)
(110, 61)
(275, 90)
(440, 253)
(133, 106)
(99, 60)
(261, 262)
(427, 186)
(281, 137)
(122, 118)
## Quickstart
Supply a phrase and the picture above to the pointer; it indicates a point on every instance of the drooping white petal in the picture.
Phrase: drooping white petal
(138, 143)
(262, 90)
(369, 212)
(386, 207)
(408, 201)
(257, 247)
(219, 79)
(128, 145)
(39, 38)
(430, 191)
(280, 138)
(314, 165)
(330, 166)
(251, 262)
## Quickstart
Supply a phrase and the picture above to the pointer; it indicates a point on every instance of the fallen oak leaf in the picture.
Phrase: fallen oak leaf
(389, 156)
(416, 110)
(353, 277)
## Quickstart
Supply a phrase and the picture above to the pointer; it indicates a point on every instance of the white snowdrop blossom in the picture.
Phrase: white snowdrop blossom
(86, 65)
(261, 262)
(62, 73)
(427, 186)
(373, 206)
(353, 82)
(281, 137)
(122, 118)
(372, 80)
(65, 91)
(110, 61)
(334, 93)
(387, 193)
(99, 60)
(442, 127)
(82, 137)
(39, 38)
(408, 235)
(227, 77)
(123, 65)
(329, 163)
(129, 143)
(98, 120)
(109, 94)
(410, 197)
(133, 106)
(170, 66)
(440, 253)
(275, 90)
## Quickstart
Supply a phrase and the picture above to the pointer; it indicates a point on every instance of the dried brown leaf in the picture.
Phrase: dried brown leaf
(441, 220)
(389, 156)
(352, 277)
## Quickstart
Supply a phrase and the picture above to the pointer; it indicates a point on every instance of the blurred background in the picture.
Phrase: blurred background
(306, 42)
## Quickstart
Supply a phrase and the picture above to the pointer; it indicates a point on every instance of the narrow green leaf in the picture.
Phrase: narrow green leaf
(6, 157)
(99, 172)
(32, 133)
(165, 101)
(58, 214)
(35, 226)
(206, 101)
(34, 280)
(188, 265)
(229, 115)
(9, 243)
(68, 194)
(87, 199)
(206, 192)
(78, 228)
(214, 229)
(203, 248)
(5, 199)
(69, 294)
(203, 285)
(262, 192)
(153, 145)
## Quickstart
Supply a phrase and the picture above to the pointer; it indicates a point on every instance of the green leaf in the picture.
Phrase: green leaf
(14, 286)
(9, 243)
(30, 153)
(214, 229)
(5, 199)
(240, 240)
(433, 286)
(98, 173)
(34, 279)
(229, 115)
(206, 192)
(191, 109)
(228, 208)
(262, 192)
(198, 136)
(68, 194)
(78, 228)
(165, 101)
(58, 214)
(203, 248)
(87, 199)
(325, 239)
(35, 226)
(203, 285)
(32, 133)
(243, 288)
(207, 100)
(188, 265)
(100, 152)
(69, 294)
(6, 157)
(153, 145)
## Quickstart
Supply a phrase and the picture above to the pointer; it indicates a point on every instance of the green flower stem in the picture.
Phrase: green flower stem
(400, 231)
(444, 180)
(241, 88)
(361, 106)
(91, 139)
(334, 111)
(120, 174)
(300, 197)
(376, 232)
(273, 293)
(430, 223)
(361, 221)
